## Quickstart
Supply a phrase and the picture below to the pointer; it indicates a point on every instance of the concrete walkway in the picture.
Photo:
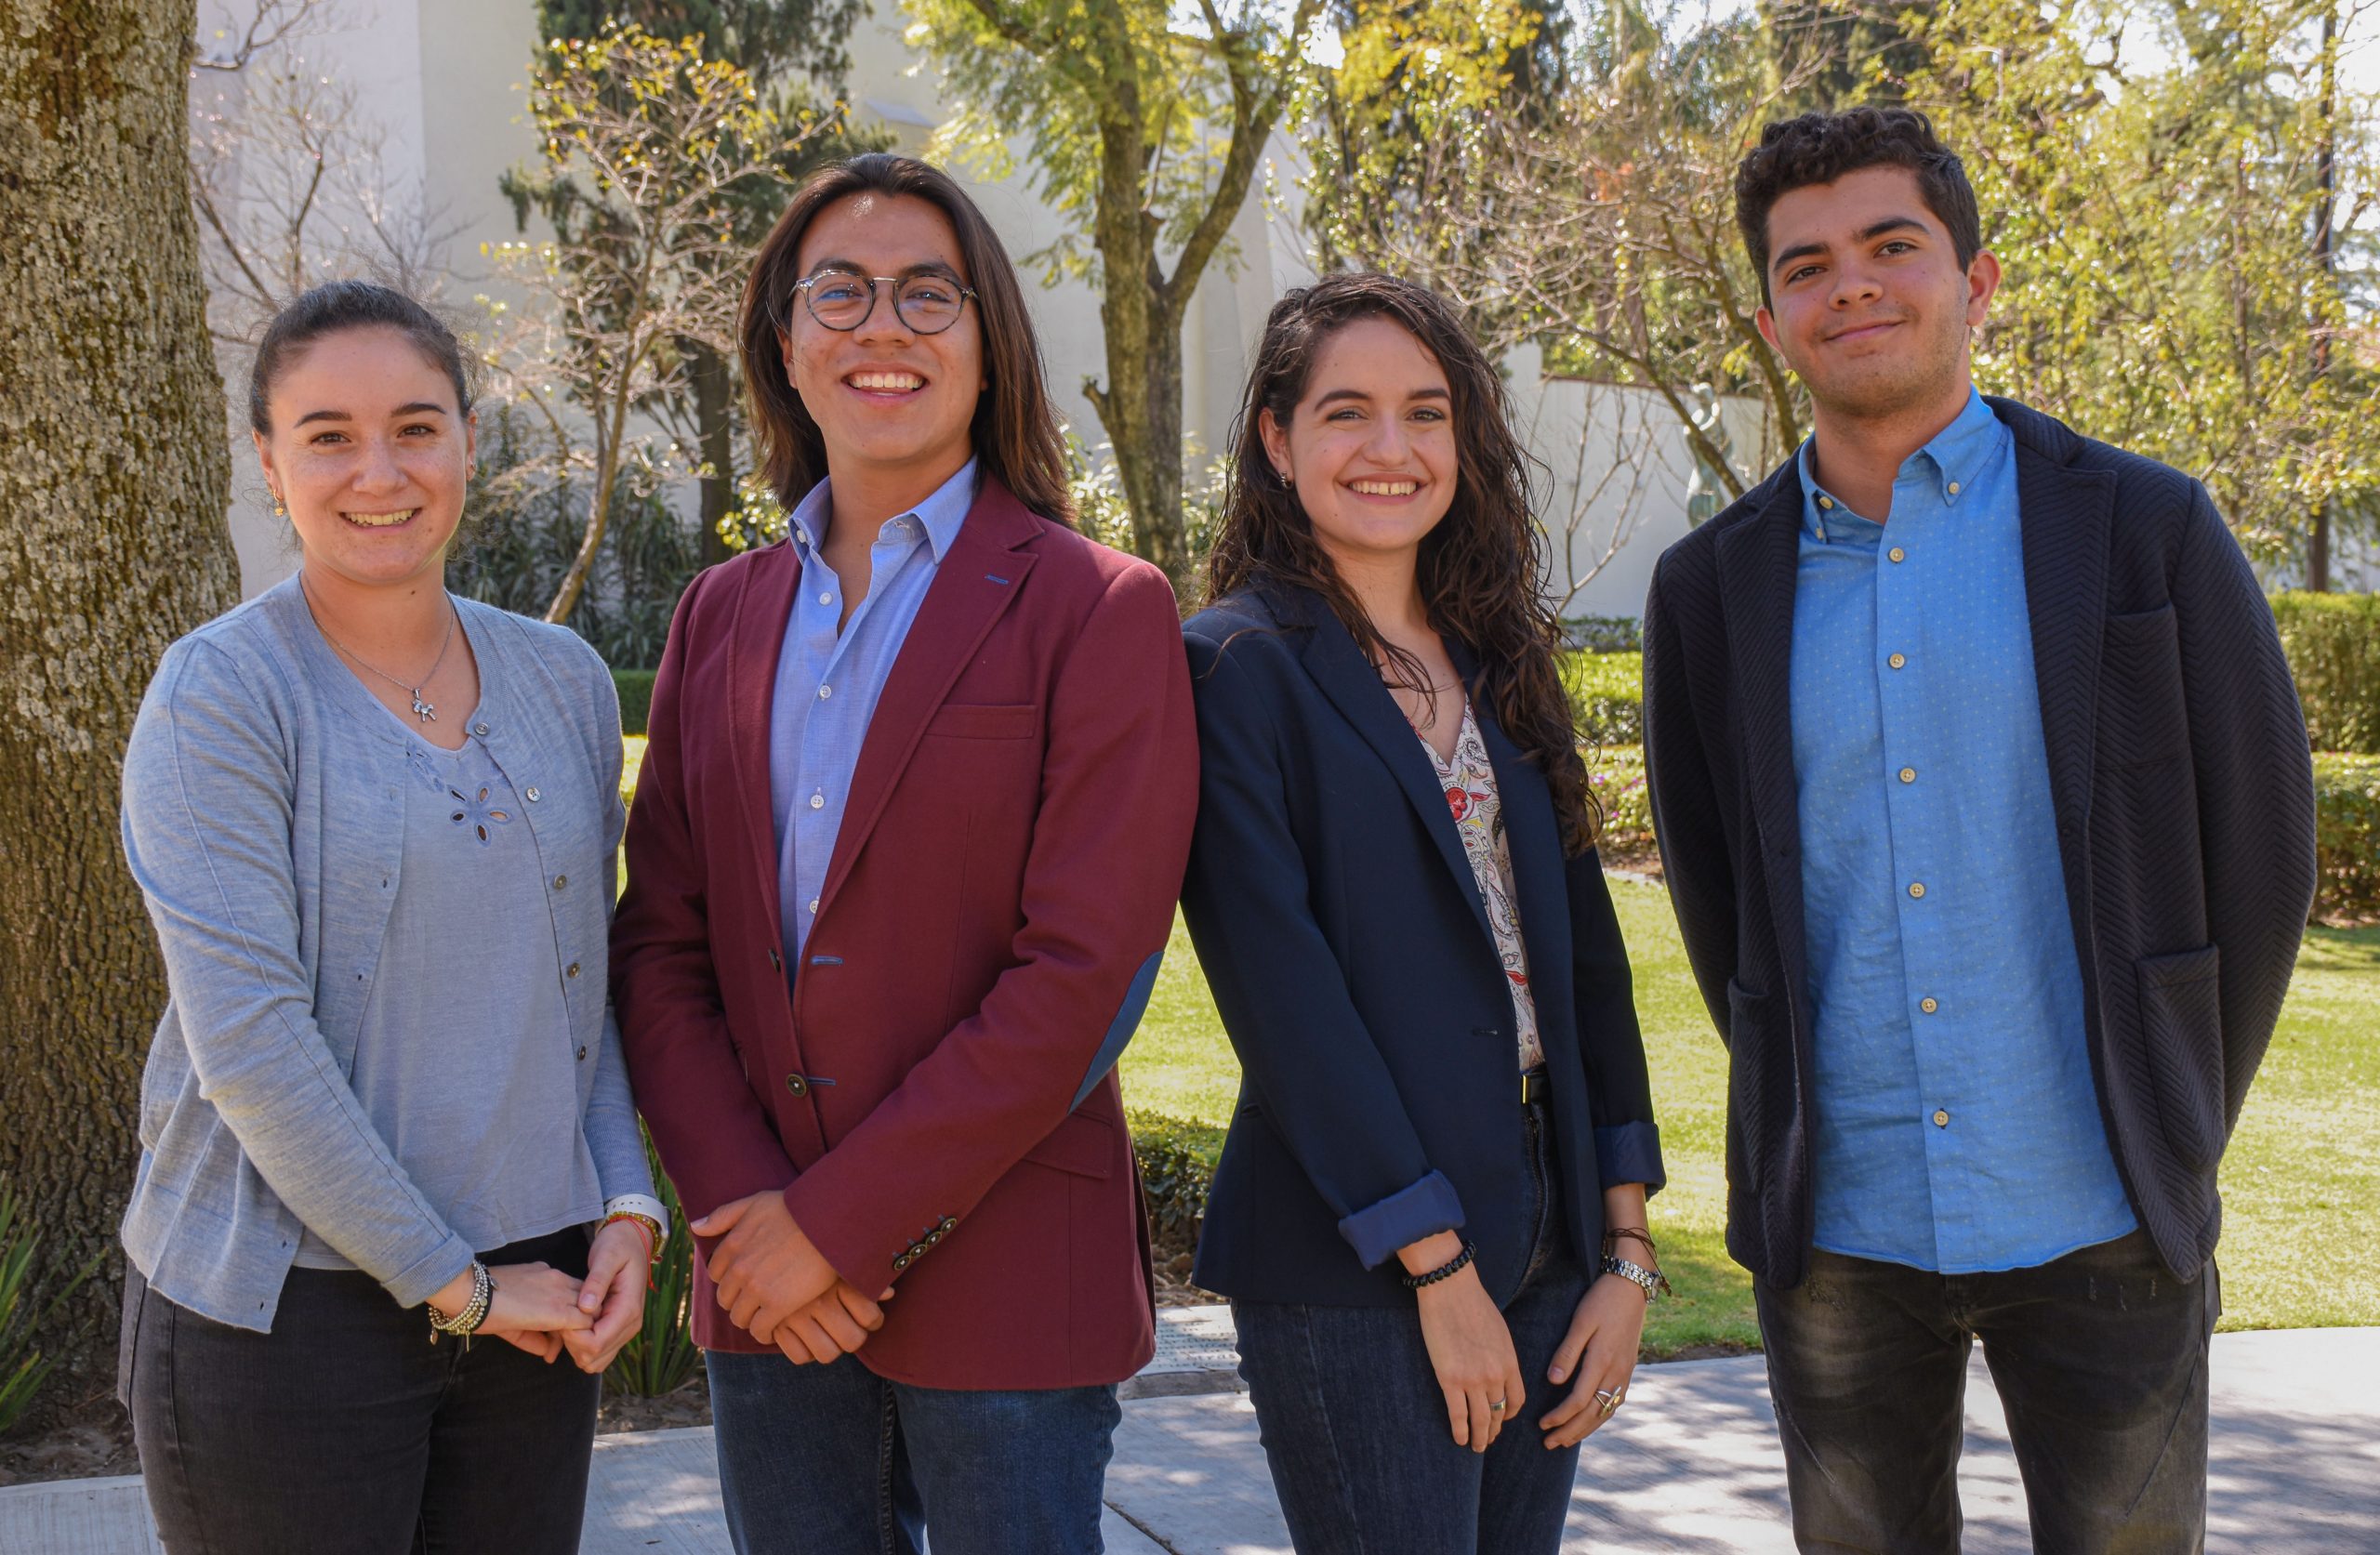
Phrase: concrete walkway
(1691, 1464)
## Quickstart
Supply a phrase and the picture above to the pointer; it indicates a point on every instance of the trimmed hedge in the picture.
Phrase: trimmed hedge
(1616, 774)
(2334, 645)
(1606, 693)
(2347, 836)
(636, 698)
(1177, 1166)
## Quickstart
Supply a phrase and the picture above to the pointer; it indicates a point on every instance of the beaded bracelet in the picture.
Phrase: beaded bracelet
(463, 1324)
(1451, 1267)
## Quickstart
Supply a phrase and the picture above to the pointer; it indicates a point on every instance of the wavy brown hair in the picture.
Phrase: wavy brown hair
(1015, 431)
(1482, 571)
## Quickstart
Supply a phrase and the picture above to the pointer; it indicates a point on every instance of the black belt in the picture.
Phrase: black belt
(1534, 1089)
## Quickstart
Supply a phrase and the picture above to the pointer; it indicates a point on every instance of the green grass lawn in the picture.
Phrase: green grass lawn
(2301, 1183)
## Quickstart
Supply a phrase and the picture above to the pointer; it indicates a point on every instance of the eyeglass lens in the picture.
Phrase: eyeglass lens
(928, 304)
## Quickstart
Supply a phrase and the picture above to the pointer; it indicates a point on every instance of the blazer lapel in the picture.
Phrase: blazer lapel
(2067, 515)
(1758, 566)
(763, 612)
(973, 586)
(1354, 687)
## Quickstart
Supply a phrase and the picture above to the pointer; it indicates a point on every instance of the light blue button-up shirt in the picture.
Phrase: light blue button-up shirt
(1958, 1128)
(829, 681)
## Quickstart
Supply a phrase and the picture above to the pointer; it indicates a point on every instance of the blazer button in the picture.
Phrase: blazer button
(948, 1222)
(775, 962)
(797, 1085)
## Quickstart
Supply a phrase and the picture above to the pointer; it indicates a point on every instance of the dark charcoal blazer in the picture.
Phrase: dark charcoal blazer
(2178, 771)
(1349, 952)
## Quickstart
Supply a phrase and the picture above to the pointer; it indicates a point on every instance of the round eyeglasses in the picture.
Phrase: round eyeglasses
(842, 299)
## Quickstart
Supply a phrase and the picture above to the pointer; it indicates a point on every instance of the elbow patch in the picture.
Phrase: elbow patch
(1120, 1029)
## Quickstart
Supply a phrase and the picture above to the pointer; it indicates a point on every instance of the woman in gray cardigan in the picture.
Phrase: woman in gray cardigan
(385, 1110)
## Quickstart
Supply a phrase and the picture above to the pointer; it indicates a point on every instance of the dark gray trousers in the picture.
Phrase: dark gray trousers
(345, 1431)
(2099, 1358)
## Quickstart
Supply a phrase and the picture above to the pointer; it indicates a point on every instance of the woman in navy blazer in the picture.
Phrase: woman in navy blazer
(1430, 1211)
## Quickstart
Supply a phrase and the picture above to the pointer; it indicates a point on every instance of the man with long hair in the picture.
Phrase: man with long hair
(1987, 812)
(900, 867)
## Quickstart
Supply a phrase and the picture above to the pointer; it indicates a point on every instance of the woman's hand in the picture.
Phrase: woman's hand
(1600, 1347)
(534, 1304)
(1470, 1348)
(619, 1264)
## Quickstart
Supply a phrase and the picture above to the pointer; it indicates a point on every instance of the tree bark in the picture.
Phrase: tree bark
(714, 401)
(113, 542)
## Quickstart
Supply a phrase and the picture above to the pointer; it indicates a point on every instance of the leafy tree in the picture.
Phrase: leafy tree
(1144, 122)
(113, 542)
(649, 151)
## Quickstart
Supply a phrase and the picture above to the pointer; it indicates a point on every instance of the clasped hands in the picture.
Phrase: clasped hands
(548, 1312)
(778, 1287)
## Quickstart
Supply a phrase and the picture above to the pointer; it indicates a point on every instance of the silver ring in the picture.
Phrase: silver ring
(1497, 1404)
(1610, 1399)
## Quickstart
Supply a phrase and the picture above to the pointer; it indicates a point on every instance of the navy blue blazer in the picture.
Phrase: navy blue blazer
(1349, 952)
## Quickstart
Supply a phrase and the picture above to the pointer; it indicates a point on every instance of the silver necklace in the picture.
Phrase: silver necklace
(424, 710)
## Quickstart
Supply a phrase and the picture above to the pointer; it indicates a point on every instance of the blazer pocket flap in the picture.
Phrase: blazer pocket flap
(1081, 1144)
(2181, 1015)
(2142, 629)
(2183, 967)
(1745, 1007)
(971, 720)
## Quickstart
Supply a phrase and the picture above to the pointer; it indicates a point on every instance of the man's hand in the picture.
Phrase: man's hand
(834, 1326)
(765, 1269)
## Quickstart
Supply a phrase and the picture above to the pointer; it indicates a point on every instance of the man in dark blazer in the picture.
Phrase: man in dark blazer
(901, 866)
(1987, 812)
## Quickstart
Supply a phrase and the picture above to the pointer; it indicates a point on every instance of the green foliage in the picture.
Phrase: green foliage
(764, 37)
(2347, 836)
(1177, 1167)
(661, 1354)
(1607, 695)
(1102, 511)
(635, 687)
(1615, 775)
(23, 1368)
(1605, 634)
(2333, 644)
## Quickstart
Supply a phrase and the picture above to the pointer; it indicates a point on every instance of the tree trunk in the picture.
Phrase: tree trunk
(2318, 540)
(714, 399)
(113, 542)
(1148, 446)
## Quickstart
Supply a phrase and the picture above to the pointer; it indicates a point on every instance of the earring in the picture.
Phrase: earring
(279, 510)
(1287, 479)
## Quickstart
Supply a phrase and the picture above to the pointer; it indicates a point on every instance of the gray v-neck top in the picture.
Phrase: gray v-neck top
(463, 1059)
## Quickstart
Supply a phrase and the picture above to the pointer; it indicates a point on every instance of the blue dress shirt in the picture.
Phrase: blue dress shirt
(1957, 1124)
(829, 675)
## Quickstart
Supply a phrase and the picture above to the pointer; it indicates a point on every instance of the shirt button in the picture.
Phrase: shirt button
(1954, 488)
(1928, 1005)
(533, 796)
(814, 905)
(817, 801)
(1908, 774)
(1917, 888)
(479, 729)
(1826, 505)
(572, 971)
(1898, 554)
(582, 1055)
(826, 692)
(560, 880)
(1942, 1118)
(1897, 660)
(797, 1085)
(826, 599)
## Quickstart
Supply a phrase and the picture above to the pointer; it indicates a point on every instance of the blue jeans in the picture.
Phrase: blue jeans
(836, 1460)
(1355, 1424)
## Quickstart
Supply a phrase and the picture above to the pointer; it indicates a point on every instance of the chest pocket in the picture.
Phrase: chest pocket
(967, 721)
(2142, 718)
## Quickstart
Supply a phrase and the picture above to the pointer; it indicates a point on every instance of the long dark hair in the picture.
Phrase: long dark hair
(1482, 571)
(1015, 429)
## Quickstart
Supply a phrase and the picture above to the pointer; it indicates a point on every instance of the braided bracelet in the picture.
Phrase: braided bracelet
(1451, 1267)
(1635, 1233)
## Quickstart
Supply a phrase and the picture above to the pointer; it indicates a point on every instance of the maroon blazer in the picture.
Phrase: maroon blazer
(1001, 887)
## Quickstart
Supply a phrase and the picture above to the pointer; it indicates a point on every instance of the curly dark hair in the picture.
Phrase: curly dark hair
(1820, 148)
(1482, 571)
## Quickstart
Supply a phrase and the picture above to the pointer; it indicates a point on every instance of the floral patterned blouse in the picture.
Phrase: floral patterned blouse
(1470, 783)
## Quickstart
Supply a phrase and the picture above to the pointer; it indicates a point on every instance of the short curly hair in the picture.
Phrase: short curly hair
(1820, 148)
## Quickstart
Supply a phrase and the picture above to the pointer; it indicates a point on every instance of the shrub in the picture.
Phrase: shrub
(1607, 695)
(636, 698)
(2333, 644)
(2347, 836)
(1615, 775)
(1177, 1166)
(660, 1355)
(23, 1368)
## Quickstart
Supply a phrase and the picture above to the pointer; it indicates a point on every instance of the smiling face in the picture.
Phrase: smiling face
(371, 453)
(883, 395)
(1372, 446)
(1868, 303)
